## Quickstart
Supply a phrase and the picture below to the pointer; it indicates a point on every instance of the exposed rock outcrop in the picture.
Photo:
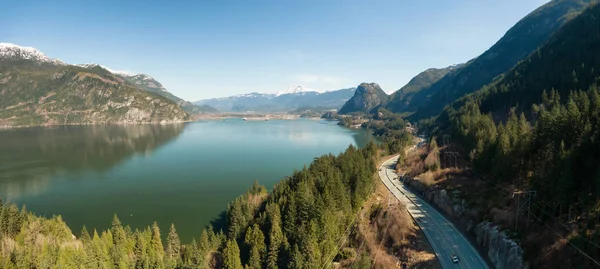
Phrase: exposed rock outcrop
(503, 252)
(366, 97)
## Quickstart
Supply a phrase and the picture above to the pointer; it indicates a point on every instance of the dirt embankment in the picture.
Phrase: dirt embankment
(387, 236)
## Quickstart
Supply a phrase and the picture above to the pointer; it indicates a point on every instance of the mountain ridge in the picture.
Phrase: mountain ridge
(519, 41)
(284, 101)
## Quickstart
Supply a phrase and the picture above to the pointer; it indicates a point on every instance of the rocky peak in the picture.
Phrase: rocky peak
(366, 97)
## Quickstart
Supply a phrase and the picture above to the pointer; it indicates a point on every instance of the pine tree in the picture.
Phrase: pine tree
(4, 220)
(156, 248)
(255, 240)
(85, 236)
(140, 252)
(296, 259)
(231, 255)
(118, 249)
(173, 248)
(191, 256)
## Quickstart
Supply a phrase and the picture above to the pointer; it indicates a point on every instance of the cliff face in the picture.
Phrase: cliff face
(503, 252)
(366, 97)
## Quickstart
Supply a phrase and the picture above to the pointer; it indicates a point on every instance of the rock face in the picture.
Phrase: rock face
(366, 97)
(149, 84)
(503, 252)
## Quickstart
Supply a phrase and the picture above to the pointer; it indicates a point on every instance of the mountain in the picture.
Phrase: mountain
(536, 128)
(518, 42)
(366, 97)
(148, 83)
(294, 98)
(296, 89)
(26, 56)
(403, 97)
(38, 90)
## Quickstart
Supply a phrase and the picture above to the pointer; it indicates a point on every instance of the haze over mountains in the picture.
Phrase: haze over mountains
(293, 98)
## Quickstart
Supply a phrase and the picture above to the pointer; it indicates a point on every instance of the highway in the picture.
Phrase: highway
(441, 234)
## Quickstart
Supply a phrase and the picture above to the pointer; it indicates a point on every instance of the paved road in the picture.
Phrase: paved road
(442, 235)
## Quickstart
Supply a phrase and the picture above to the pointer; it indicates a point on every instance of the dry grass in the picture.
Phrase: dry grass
(389, 235)
(257, 199)
(414, 162)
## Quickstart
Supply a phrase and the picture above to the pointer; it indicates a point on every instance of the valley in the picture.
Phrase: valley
(297, 152)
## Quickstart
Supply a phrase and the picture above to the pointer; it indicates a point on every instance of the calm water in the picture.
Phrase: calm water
(185, 174)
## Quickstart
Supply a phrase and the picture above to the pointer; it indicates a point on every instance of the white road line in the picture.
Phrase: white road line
(436, 228)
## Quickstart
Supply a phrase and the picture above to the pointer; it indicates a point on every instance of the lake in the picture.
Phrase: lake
(182, 173)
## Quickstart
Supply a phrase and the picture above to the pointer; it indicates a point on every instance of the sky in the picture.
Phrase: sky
(209, 48)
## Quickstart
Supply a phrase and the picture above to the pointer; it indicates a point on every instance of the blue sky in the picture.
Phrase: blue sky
(204, 49)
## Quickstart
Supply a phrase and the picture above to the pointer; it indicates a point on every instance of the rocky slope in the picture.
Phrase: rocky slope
(294, 98)
(150, 84)
(521, 40)
(366, 97)
(36, 90)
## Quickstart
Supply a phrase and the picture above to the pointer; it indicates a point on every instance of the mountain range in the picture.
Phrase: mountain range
(293, 98)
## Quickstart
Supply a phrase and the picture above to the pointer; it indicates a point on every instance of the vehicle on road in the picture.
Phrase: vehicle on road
(454, 258)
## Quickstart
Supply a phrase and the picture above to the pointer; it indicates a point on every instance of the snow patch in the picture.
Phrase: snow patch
(296, 89)
(8, 50)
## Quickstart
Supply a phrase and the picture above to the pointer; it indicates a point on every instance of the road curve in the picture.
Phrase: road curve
(444, 238)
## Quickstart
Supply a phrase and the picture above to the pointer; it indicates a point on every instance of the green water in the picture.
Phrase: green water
(183, 174)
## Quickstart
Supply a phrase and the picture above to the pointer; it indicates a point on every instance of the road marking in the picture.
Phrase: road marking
(444, 230)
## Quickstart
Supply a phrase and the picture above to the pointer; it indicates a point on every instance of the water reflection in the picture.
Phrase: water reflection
(30, 157)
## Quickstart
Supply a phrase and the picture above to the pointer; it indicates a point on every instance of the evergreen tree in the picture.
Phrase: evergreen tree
(85, 236)
(173, 248)
(156, 248)
(231, 255)
(140, 251)
(255, 240)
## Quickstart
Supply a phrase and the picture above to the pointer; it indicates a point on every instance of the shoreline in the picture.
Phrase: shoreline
(2, 127)
(253, 117)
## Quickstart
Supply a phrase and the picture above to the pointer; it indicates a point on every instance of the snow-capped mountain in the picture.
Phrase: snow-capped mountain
(148, 83)
(28, 57)
(295, 89)
(293, 98)
(143, 81)
(12, 51)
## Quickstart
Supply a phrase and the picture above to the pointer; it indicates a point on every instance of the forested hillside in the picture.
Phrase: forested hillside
(537, 128)
(400, 99)
(522, 39)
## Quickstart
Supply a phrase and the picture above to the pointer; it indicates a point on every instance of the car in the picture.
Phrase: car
(454, 258)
